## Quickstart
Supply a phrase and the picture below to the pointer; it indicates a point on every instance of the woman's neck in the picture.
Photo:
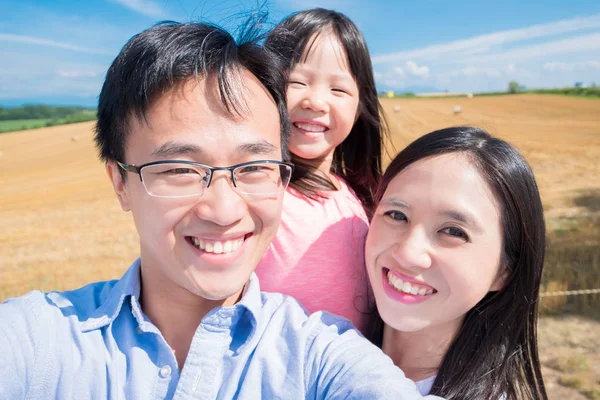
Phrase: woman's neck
(418, 354)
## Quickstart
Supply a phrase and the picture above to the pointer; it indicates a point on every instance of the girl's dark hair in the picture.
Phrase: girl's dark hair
(358, 158)
(495, 351)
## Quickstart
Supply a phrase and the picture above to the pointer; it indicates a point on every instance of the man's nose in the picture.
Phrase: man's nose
(221, 203)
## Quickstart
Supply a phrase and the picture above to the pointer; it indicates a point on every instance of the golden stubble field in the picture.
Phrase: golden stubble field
(62, 227)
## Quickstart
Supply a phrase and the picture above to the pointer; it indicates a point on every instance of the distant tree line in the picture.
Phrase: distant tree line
(41, 111)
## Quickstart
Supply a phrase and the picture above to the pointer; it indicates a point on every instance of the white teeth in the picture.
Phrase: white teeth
(407, 287)
(216, 246)
(310, 127)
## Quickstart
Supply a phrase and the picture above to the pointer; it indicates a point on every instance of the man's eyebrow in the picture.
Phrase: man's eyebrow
(464, 218)
(170, 149)
(261, 147)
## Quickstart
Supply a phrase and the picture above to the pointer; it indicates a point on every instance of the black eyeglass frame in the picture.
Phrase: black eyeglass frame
(137, 169)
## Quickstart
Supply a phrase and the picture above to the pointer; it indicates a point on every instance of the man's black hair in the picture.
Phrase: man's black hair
(169, 54)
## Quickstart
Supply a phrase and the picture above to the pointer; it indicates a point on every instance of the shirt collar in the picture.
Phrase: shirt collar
(128, 285)
(248, 308)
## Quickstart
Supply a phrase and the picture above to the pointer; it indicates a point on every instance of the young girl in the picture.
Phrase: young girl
(455, 254)
(336, 142)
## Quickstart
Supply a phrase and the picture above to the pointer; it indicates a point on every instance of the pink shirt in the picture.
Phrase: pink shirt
(318, 254)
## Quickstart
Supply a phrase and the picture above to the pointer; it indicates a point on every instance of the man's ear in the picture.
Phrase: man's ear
(500, 280)
(114, 173)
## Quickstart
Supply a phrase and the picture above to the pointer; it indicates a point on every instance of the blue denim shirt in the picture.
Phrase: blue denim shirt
(96, 343)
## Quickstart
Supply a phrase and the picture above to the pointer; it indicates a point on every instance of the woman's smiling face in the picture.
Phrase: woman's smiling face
(434, 246)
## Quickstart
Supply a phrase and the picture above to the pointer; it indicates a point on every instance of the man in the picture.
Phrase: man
(192, 127)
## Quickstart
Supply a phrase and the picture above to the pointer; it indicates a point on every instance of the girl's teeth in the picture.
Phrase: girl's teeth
(310, 127)
(407, 287)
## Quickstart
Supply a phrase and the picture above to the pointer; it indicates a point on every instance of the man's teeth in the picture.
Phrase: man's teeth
(407, 287)
(217, 246)
(310, 127)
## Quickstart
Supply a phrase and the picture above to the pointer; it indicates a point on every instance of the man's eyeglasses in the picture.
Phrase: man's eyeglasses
(177, 179)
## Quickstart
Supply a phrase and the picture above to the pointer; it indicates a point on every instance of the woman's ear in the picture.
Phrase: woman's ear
(114, 173)
(500, 279)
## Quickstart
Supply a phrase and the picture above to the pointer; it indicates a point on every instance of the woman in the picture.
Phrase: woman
(455, 254)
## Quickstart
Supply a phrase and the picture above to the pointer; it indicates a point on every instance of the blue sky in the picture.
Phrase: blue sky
(58, 51)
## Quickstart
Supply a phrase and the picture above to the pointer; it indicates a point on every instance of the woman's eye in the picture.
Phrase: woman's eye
(395, 215)
(297, 83)
(455, 232)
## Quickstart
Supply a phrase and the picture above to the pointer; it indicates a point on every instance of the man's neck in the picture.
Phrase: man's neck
(420, 353)
(177, 312)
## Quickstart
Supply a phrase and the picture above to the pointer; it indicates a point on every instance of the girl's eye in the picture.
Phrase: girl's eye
(455, 232)
(338, 90)
(297, 83)
(395, 215)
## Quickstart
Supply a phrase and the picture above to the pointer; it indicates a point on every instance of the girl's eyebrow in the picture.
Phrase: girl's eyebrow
(312, 71)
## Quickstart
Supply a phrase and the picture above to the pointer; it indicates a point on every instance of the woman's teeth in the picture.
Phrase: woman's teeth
(407, 287)
(217, 246)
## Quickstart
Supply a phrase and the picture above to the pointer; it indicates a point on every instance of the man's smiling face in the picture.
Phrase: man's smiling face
(190, 123)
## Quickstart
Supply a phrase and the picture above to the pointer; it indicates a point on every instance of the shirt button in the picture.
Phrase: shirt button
(165, 371)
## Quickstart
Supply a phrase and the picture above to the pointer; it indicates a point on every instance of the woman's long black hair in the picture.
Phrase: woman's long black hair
(358, 158)
(495, 351)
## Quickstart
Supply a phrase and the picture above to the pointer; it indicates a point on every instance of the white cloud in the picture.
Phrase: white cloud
(574, 66)
(145, 7)
(415, 70)
(81, 71)
(4, 37)
(410, 68)
(577, 44)
(511, 68)
(472, 71)
(484, 43)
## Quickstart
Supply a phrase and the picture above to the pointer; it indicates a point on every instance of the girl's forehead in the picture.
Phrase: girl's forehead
(325, 44)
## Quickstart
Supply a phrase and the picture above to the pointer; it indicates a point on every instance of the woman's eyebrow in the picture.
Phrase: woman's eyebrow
(391, 201)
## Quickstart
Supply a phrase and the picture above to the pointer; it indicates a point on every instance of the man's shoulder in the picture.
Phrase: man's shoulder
(286, 311)
(36, 306)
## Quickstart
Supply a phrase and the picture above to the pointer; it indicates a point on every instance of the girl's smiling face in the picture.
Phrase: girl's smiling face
(323, 98)
(434, 246)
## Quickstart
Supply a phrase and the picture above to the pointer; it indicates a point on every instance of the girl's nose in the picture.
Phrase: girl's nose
(315, 101)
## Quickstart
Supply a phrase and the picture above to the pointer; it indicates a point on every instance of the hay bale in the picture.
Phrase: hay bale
(396, 108)
(457, 110)
(469, 95)
(74, 138)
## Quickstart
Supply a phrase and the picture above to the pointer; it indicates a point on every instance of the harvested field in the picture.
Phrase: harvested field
(62, 226)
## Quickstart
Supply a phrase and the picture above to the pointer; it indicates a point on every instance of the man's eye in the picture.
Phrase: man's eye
(252, 168)
(455, 232)
(180, 171)
(396, 215)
